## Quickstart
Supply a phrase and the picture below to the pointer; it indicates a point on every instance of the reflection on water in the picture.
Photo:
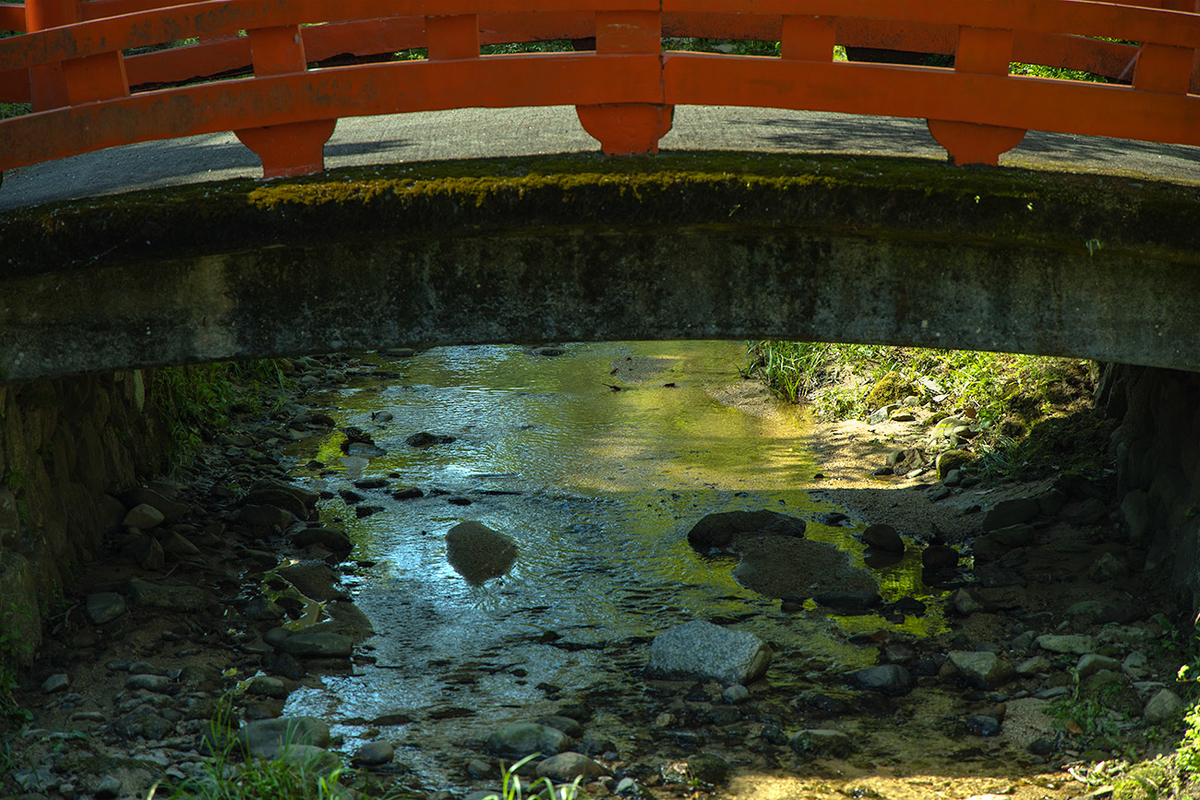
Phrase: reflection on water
(598, 487)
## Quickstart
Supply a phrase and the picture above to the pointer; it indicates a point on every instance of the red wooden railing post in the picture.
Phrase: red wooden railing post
(981, 51)
(628, 128)
(48, 83)
(294, 148)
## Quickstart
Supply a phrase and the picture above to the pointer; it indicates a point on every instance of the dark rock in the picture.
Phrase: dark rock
(521, 739)
(296, 500)
(567, 725)
(1010, 512)
(168, 596)
(981, 670)
(318, 644)
(266, 737)
(821, 705)
(426, 439)
(717, 531)
(479, 553)
(982, 725)
(313, 579)
(850, 601)
(939, 557)
(707, 768)
(374, 754)
(104, 607)
(891, 680)
(883, 537)
(566, 767)
(822, 743)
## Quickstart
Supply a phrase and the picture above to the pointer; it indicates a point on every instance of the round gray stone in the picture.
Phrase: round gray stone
(704, 651)
(374, 754)
(104, 607)
(566, 767)
(520, 739)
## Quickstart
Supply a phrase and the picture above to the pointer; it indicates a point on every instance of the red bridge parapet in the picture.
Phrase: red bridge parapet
(280, 73)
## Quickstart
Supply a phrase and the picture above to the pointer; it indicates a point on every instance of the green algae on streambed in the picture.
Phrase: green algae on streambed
(598, 488)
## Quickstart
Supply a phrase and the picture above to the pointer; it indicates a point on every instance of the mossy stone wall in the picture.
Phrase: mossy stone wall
(65, 446)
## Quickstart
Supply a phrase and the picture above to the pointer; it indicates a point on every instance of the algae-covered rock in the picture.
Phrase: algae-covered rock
(891, 388)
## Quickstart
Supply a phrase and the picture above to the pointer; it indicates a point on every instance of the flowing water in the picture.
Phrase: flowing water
(598, 487)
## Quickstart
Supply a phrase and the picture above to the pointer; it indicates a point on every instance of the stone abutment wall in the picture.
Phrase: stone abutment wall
(1157, 448)
(66, 446)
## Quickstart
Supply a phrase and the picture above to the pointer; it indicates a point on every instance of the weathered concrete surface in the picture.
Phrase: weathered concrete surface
(572, 248)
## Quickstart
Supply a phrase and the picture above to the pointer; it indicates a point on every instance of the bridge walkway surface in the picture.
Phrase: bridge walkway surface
(490, 133)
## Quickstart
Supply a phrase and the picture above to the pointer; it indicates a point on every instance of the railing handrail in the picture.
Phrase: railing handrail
(976, 110)
(1085, 18)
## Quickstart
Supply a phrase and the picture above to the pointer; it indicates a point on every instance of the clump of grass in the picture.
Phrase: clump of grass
(511, 787)
(1033, 414)
(198, 400)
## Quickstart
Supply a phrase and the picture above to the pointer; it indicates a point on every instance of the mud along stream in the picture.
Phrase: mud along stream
(596, 462)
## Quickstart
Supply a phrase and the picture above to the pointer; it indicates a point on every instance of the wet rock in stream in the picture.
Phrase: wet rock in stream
(479, 553)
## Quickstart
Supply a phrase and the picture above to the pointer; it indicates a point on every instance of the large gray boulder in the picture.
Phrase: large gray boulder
(478, 553)
(702, 651)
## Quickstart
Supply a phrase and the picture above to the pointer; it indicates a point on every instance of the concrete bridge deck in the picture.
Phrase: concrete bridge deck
(901, 250)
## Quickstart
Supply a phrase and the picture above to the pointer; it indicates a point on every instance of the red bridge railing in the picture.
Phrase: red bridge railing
(280, 73)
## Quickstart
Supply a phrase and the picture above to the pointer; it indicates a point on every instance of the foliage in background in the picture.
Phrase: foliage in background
(15, 651)
(198, 400)
(1011, 396)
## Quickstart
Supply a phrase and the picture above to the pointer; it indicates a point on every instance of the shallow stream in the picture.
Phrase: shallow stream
(598, 486)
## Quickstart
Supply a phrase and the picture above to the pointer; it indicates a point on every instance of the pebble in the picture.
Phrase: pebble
(109, 787)
(58, 682)
(735, 694)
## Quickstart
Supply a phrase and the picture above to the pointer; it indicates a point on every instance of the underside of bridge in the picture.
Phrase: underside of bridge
(582, 247)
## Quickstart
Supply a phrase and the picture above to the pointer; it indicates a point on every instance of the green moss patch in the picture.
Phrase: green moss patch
(875, 196)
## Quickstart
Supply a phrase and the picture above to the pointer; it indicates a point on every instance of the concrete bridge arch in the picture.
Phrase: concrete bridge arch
(578, 247)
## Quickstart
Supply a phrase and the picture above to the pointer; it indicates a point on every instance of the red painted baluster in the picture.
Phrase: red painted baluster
(48, 83)
(1161, 68)
(808, 38)
(981, 51)
(294, 148)
(451, 38)
(627, 128)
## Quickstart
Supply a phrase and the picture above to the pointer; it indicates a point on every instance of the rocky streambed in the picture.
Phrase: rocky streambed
(716, 630)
